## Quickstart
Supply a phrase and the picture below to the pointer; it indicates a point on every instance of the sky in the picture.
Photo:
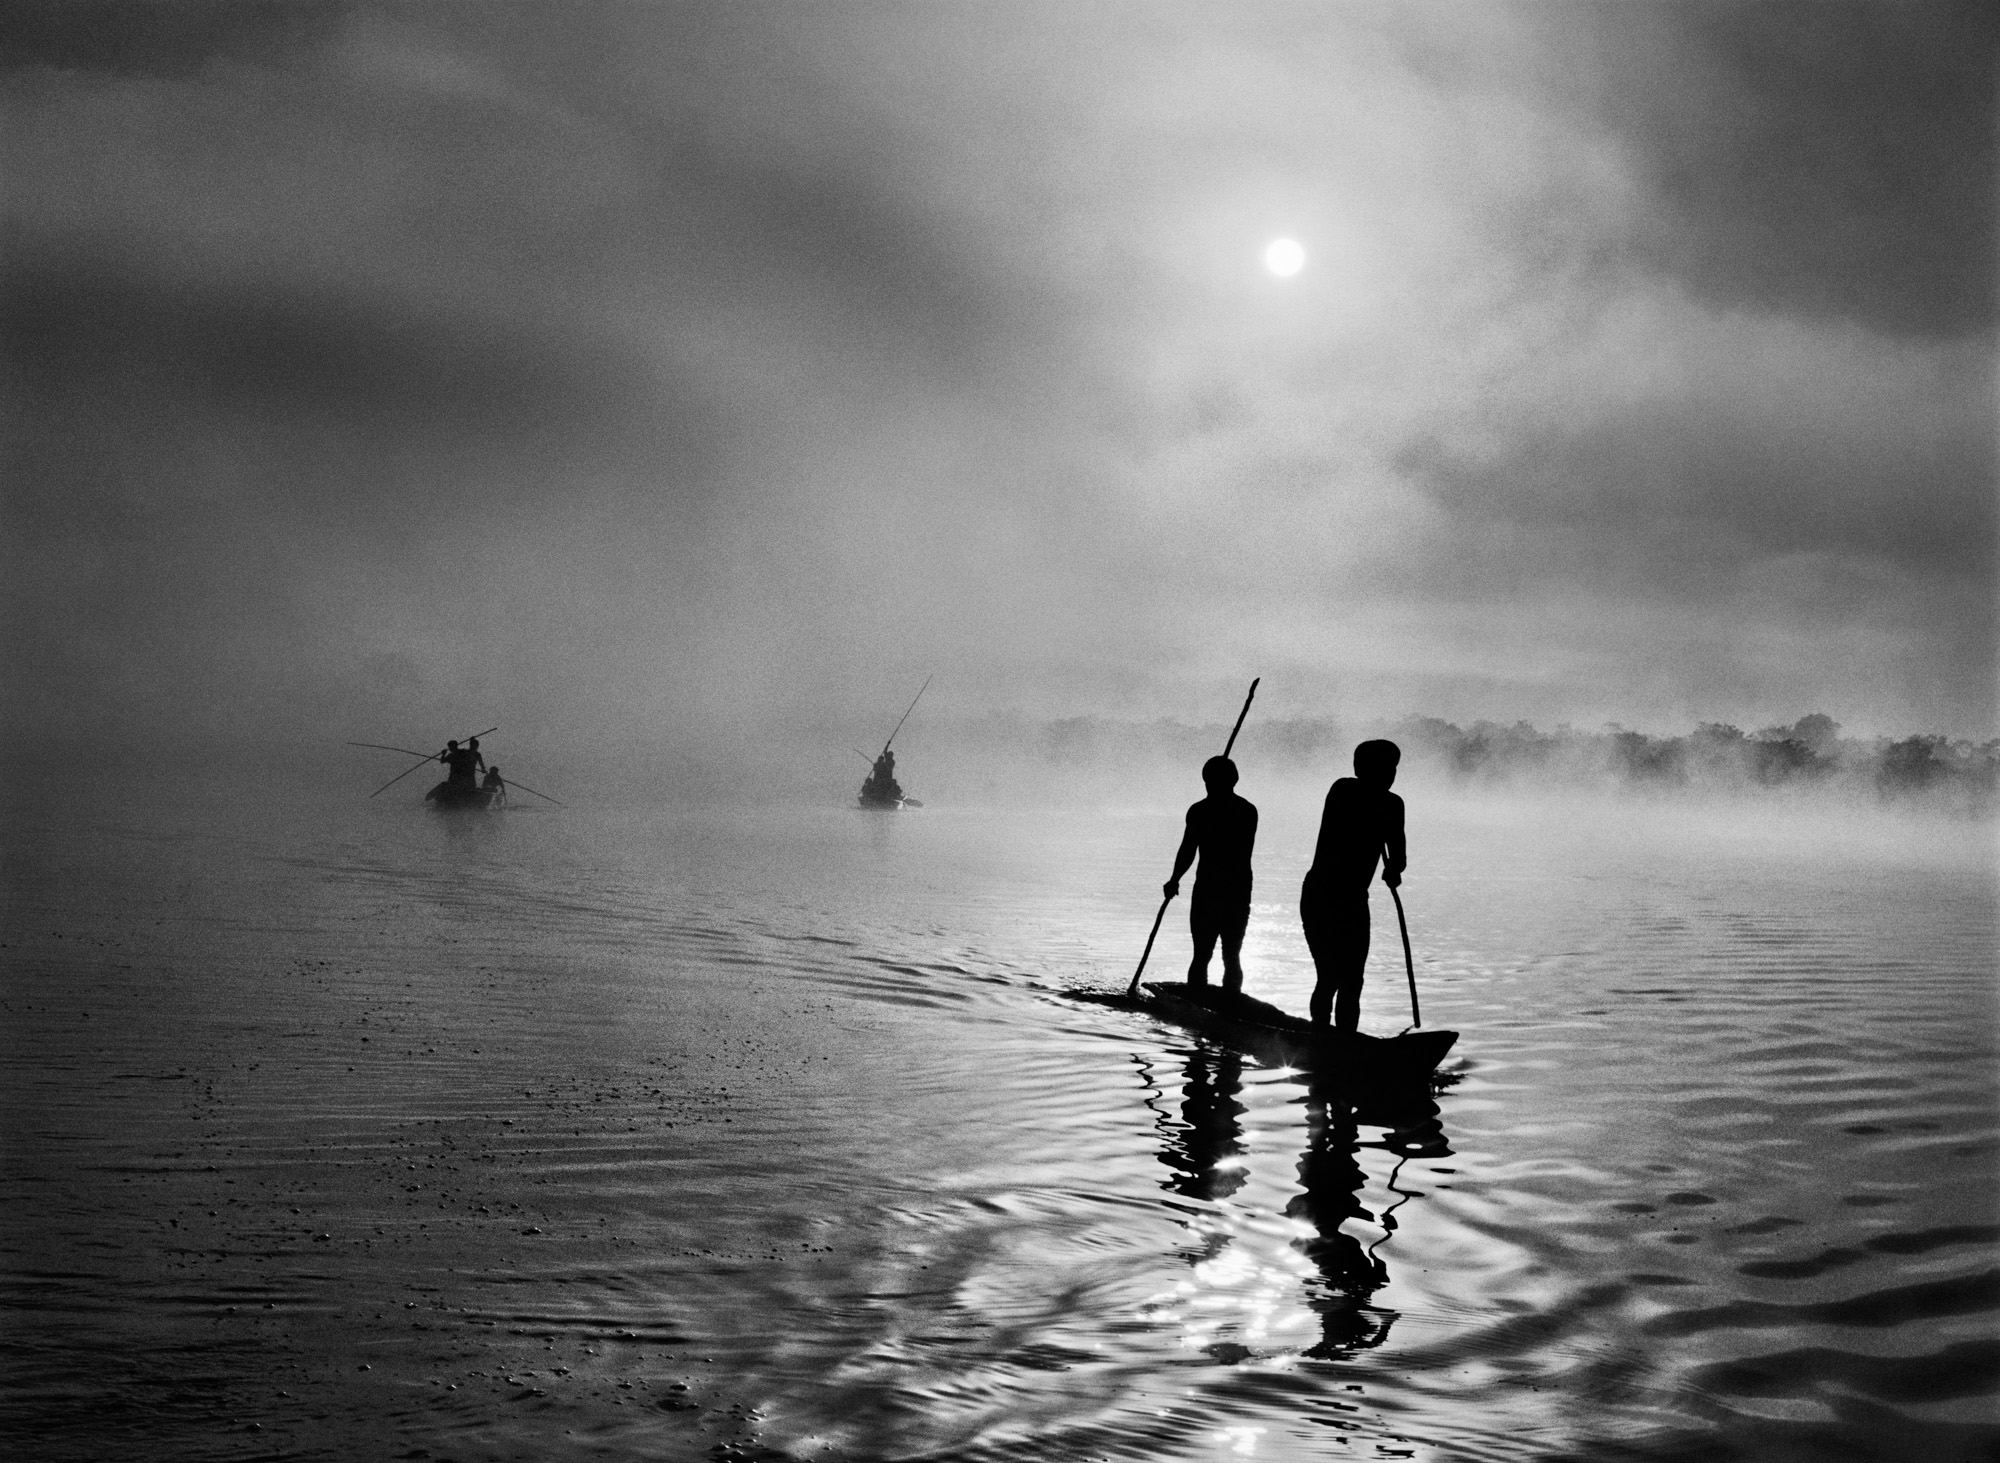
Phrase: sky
(659, 374)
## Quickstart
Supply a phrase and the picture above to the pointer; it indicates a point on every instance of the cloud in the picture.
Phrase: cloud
(665, 368)
(1828, 161)
(1738, 437)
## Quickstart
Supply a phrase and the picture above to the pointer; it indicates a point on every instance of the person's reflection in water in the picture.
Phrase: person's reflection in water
(1203, 1151)
(1331, 1180)
(1203, 1154)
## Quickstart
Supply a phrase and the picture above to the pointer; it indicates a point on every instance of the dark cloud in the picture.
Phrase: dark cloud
(299, 349)
(1828, 157)
(150, 38)
(1669, 495)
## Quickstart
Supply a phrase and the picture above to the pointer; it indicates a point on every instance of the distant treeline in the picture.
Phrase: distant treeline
(1810, 752)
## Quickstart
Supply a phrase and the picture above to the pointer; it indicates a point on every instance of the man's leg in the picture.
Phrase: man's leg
(1319, 942)
(1204, 931)
(1352, 945)
(1337, 935)
(1232, 950)
(1347, 999)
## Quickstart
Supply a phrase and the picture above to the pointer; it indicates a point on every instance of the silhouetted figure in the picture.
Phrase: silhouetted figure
(1330, 1181)
(1212, 1137)
(881, 790)
(1222, 829)
(460, 787)
(462, 763)
(494, 788)
(1361, 826)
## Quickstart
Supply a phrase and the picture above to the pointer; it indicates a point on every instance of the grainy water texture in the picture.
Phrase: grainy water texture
(352, 1131)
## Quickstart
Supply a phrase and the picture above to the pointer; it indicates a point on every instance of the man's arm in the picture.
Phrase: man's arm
(1324, 855)
(1395, 853)
(1184, 858)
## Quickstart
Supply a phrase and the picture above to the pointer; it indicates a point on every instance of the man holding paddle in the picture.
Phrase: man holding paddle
(463, 764)
(1222, 829)
(1361, 826)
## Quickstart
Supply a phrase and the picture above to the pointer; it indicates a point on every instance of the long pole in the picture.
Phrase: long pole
(1241, 714)
(400, 776)
(525, 788)
(1146, 954)
(1409, 965)
(404, 750)
(913, 706)
(1132, 989)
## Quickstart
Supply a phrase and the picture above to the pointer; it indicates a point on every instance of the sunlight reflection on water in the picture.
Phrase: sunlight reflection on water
(643, 1133)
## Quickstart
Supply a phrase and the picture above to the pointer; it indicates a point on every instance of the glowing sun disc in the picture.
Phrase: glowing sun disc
(1284, 257)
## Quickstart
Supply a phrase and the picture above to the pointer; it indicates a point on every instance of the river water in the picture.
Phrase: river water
(362, 1132)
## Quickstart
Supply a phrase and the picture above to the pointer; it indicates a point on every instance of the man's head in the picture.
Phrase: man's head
(1375, 762)
(474, 744)
(1219, 773)
(451, 746)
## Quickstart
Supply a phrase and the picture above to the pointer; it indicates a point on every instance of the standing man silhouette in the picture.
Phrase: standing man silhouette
(1362, 825)
(1222, 829)
(463, 763)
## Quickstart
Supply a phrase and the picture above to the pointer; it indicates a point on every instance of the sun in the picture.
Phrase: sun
(1284, 257)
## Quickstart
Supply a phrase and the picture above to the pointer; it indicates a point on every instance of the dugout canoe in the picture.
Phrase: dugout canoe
(1278, 1037)
(459, 797)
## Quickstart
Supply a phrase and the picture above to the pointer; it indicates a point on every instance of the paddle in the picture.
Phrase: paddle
(1228, 745)
(400, 776)
(913, 706)
(427, 756)
(525, 788)
(1146, 954)
(1409, 965)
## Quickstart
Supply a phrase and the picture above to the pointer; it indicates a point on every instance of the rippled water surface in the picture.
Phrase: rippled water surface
(365, 1133)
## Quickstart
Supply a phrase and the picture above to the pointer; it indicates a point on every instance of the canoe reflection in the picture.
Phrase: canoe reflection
(1205, 1155)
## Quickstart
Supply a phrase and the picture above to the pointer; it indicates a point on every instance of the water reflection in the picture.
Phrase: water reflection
(467, 824)
(1331, 1179)
(1204, 1149)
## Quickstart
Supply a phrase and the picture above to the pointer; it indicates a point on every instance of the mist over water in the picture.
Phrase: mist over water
(344, 1129)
